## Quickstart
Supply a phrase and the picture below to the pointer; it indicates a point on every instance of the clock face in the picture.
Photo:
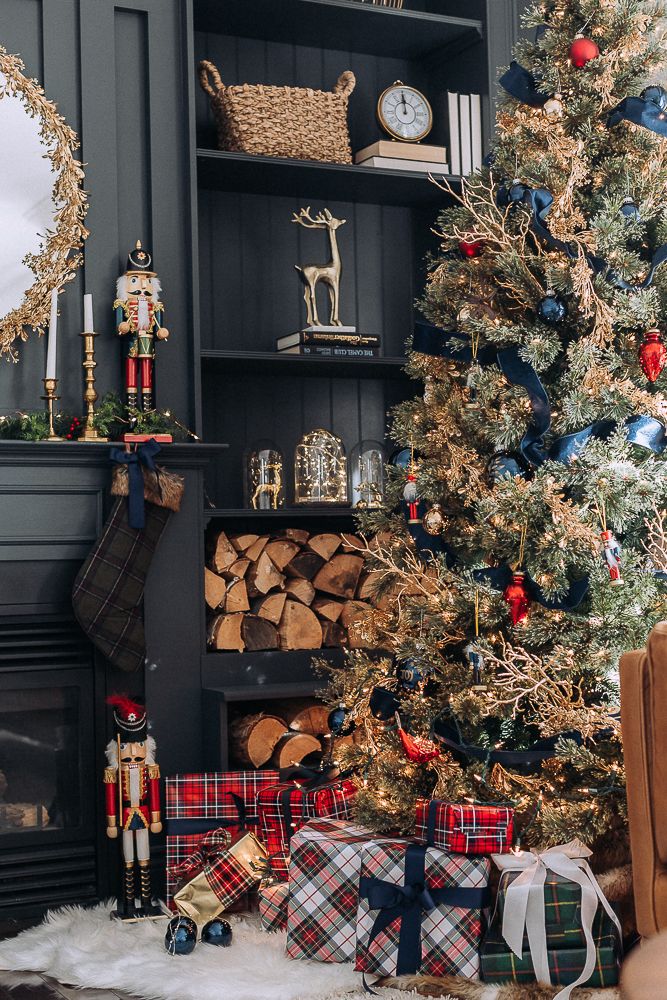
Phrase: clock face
(405, 113)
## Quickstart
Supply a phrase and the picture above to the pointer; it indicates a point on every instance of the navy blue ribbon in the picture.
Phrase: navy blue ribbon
(520, 84)
(540, 751)
(201, 824)
(639, 112)
(134, 460)
(498, 577)
(409, 901)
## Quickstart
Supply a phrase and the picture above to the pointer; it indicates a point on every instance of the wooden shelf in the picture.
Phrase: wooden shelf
(282, 514)
(245, 172)
(273, 363)
(345, 25)
(243, 676)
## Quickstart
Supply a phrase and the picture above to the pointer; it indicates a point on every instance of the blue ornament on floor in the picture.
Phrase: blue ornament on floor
(552, 310)
(630, 210)
(181, 936)
(217, 932)
(657, 95)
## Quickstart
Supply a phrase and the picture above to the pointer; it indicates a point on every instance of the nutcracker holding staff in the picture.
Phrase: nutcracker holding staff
(139, 314)
(132, 793)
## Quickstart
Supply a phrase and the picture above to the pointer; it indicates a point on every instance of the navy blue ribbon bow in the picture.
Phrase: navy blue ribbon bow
(409, 901)
(498, 577)
(527, 760)
(520, 84)
(134, 460)
(639, 112)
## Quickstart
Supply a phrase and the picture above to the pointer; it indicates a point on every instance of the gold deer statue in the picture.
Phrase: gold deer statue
(329, 273)
(272, 489)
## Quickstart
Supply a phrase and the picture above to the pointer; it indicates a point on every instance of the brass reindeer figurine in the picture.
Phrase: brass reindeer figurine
(273, 489)
(329, 273)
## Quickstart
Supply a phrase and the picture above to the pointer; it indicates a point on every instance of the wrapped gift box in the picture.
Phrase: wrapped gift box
(198, 803)
(285, 808)
(499, 964)
(324, 890)
(420, 910)
(220, 871)
(273, 906)
(464, 829)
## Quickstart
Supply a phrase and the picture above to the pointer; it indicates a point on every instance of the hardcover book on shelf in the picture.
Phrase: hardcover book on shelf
(332, 351)
(402, 151)
(327, 339)
(418, 166)
(465, 132)
(454, 133)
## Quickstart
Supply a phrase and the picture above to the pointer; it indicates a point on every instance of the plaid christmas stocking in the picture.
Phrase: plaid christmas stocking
(109, 588)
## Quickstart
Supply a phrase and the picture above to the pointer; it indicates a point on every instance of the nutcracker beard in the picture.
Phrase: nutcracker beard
(137, 772)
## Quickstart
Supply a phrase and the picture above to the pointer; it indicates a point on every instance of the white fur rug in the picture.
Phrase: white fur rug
(83, 947)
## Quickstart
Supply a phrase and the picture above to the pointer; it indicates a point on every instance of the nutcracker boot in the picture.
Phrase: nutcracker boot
(126, 908)
(146, 384)
(145, 887)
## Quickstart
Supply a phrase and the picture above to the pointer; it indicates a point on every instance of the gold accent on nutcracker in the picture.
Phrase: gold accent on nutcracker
(90, 392)
(120, 783)
(50, 388)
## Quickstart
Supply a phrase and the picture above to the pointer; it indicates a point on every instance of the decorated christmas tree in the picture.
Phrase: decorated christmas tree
(520, 550)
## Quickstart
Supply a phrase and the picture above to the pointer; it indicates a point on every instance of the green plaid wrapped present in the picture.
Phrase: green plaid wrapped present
(499, 964)
(542, 930)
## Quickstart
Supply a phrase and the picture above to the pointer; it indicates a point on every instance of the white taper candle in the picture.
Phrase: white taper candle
(88, 313)
(53, 336)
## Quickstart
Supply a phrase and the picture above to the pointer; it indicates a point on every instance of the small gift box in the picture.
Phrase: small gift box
(273, 906)
(218, 873)
(420, 910)
(464, 829)
(551, 922)
(198, 803)
(286, 807)
(324, 890)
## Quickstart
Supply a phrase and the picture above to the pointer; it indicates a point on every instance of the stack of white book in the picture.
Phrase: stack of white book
(388, 154)
(465, 132)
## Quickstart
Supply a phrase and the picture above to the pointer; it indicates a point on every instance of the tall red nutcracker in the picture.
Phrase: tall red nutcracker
(132, 793)
(139, 315)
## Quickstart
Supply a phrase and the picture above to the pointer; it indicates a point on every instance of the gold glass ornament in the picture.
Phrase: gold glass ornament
(367, 474)
(320, 469)
(264, 476)
(433, 521)
(554, 106)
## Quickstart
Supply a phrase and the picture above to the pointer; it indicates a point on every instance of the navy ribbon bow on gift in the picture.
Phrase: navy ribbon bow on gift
(134, 460)
(408, 902)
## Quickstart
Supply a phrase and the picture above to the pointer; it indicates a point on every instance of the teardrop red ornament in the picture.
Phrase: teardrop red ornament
(582, 51)
(652, 354)
(517, 597)
(416, 748)
(470, 247)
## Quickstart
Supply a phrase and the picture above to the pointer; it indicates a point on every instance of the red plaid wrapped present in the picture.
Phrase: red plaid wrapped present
(324, 890)
(465, 829)
(218, 873)
(285, 808)
(198, 803)
(273, 906)
(420, 910)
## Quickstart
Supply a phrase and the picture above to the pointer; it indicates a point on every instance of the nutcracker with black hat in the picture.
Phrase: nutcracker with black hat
(132, 794)
(139, 315)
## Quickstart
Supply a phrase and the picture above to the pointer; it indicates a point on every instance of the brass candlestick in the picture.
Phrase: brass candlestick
(50, 387)
(90, 393)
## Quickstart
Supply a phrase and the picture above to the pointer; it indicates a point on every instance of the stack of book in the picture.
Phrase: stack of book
(465, 132)
(388, 154)
(330, 342)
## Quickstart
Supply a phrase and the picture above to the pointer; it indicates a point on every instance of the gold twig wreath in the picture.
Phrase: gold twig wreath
(59, 254)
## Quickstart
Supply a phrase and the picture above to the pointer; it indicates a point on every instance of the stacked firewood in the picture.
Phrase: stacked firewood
(288, 590)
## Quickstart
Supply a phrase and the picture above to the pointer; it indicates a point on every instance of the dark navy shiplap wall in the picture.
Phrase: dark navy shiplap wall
(117, 73)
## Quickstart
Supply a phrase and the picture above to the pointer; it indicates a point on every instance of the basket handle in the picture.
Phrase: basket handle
(345, 83)
(206, 67)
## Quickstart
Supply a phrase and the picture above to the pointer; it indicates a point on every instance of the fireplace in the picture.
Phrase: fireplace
(48, 830)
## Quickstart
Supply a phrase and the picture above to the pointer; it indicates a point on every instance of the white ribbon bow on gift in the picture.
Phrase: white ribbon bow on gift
(525, 907)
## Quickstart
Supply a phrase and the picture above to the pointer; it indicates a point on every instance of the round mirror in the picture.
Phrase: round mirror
(42, 204)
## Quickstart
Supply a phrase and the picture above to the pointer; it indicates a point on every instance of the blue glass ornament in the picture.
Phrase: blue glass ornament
(383, 704)
(181, 936)
(410, 676)
(402, 457)
(506, 465)
(551, 309)
(338, 722)
(217, 932)
(657, 95)
(630, 210)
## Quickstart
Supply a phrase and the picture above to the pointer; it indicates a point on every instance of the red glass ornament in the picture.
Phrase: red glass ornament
(582, 51)
(471, 248)
(416, 748)
(516, 595)
(652, 354)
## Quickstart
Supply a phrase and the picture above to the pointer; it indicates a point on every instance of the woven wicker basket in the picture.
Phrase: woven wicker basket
(296, 122)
